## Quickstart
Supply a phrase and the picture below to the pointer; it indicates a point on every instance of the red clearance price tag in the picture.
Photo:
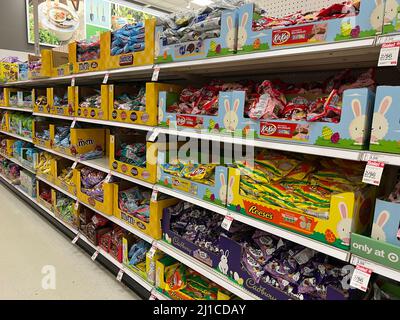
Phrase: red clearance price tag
(389, 54)
(360, 279)
(373, 172)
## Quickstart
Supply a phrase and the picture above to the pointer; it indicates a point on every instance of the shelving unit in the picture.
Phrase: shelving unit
(354, 54)
(29, 110)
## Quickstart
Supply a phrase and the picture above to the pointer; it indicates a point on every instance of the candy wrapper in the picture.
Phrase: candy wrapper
(93, 101)
(92, 183)
(131, 102)
(129, 38)
(134, 154)
(135, 201)
(88, 50)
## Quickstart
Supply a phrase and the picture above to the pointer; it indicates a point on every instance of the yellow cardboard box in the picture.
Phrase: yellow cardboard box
(40, 126)
(163, 266)
(151, 265)
(5, 121)
(62, 110)
(349, 212)
(41, 108)
(84, 66)
(42, 72)
(49, 174)
(152, 226)
(8, 72)
(147, 173)
(147, 117)
(73, 221)
(40, 186)
(59, 165)
(106, 206)
(124, 60)
(83, 140)
(92, 113)
(14, 97)
(55, 63)
(140, 268)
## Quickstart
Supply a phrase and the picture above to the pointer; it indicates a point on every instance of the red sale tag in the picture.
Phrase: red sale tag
(360, 279)
(389, 54)
(373, 172)
(226, 223)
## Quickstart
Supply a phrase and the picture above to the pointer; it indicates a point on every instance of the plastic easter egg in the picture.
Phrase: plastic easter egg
(327, 133)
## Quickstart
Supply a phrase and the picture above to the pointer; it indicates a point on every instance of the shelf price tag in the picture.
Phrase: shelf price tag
(152, 296)
(105, 80)
(156, 72)
(94, 256)
(120, 275)
(226, 223)
(154, 135)
(74, 165)
(73, 82)
(389, 54)
(74, 240)
(154, 196)
(76, 205)
(108, 178)
(373, 172)
(360, 279)
(73, 123)
(152, 250)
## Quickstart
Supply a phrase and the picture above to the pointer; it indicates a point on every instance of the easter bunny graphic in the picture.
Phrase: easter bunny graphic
(357, 126)
(223, 264)
(344, 226)
(380, 125)
(231, 119)
(157, 44)
(223, 189)
(377, 228)
(231, 34)
(242, 33)
(391, 8)
(377, 16)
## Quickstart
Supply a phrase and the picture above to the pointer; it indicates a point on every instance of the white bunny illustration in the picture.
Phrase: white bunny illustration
(157, 49)
(242, 33)
(344, 226)
(380, 125)
(231, 34)
(377, 15)
(230, 190)
(223, 264)
(231, 119)
(377, 228)
(223, 189)
(391, 7)
(160, 111)
(357, 126)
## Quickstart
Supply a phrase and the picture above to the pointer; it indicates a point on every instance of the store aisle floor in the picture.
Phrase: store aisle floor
(28, 243)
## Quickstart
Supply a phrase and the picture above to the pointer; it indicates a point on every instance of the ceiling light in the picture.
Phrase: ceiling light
(202, 2)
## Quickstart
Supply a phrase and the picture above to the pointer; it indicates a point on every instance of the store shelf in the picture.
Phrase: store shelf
(18, 163)
(206, 271)
(158, 295)
(56, 187)
(62, 155)
(116, 124)
(99, 164)
(122, 224)
(376, 268)
(55, 116)
(131, 179)
(29, 110)
(119, 265)
(188, 198)
(291, 236)
(387, 158)
(16, 136)
(268, 144)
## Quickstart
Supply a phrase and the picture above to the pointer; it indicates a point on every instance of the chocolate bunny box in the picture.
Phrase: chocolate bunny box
(268, 28)
(351, 132)
(385, 131)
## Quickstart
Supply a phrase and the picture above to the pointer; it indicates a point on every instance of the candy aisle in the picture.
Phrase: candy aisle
(240, 151)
